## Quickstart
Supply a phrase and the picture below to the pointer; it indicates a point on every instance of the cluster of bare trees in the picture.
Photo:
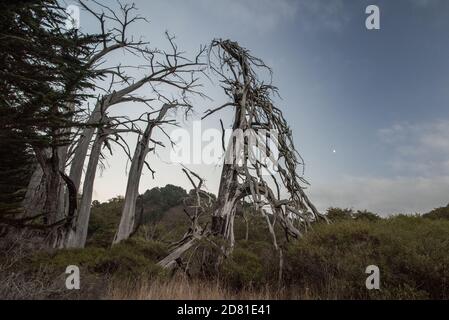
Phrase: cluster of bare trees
(65, 198)
(65, 201)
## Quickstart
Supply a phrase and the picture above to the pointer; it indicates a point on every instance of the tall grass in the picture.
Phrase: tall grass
(181, 288)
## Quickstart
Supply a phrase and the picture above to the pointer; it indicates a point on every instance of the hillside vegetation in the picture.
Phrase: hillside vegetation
(329, 262)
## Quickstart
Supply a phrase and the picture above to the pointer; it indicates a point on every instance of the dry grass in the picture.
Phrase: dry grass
(183, 289)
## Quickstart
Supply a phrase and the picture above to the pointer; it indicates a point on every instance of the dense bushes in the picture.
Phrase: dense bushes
(438, 213)
(252, 265)
(243, 269)
(328, 262)
(411, 252)
(337, 214)
(133, 259)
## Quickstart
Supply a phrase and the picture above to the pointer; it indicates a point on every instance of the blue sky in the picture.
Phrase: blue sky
(380, 98)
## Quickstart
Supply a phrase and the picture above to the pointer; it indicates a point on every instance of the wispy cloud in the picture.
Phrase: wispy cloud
(384, 196)
(419, 179)
(323, 14)
(252, 15)
(426, 3)
(263, 16)
(419, 149)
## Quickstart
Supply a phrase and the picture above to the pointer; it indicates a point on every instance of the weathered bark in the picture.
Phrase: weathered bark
(34, 199)
(76, 168)
(52, 181)
(62, 227)
(194, 208)
(126, 226)
(258, 121)
(229, 191)
(36, 194)
(225, 209)
(52, 178)
(170, 260)
(78, 233)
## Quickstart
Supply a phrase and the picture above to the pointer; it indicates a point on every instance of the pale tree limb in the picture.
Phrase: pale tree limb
(260, 125)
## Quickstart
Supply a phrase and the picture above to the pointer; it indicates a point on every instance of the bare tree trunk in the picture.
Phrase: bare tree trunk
(224, 213)
(132, 191)
(78, 234)
(34, 199)
(35, 196)
(202, 204)
(170, 260)
(51, 178)
(229, 192)
(260, 121)
(126, 226)
(63, 202)
(76, 168)
(276, 246)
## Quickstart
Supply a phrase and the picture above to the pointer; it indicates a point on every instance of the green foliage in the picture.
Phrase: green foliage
(337, 214)
(45, 77)
(438, 213)
(44, 68)
(411, 253)
(328, 262)
(163, 217)
(16, 164)
(366, 215)
(157, 201)
(243, 269)
(132, 259)
(104, 221)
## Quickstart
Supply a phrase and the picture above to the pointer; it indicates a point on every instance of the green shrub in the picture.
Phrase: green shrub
(131, 259)
(411, 252)
(243, 269)
(438, 213)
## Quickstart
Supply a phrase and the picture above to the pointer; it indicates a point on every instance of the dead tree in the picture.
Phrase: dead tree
(173, 70)
(258, 125)
(161, 67)
(167, 69)
(110, 128)
(138, 161)
(35, 194)
(199, 204)
(262, 125)
(113, 36)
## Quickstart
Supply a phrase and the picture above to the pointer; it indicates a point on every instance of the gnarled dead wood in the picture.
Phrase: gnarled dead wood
(259, 126)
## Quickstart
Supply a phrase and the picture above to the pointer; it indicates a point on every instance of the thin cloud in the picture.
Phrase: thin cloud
(419, 149)
(259, 16)
(385, 196)
(420, 180)
(323, 14)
